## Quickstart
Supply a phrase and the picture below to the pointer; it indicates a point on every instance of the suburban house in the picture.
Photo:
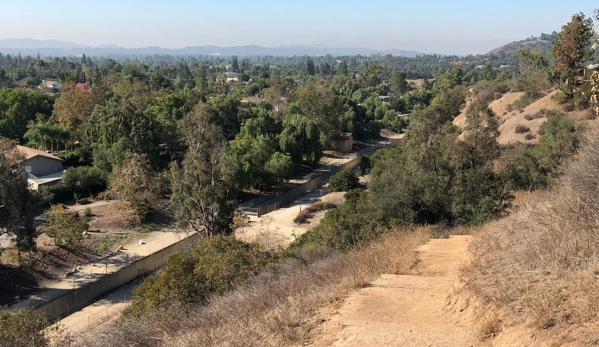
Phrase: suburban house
(43, 169)
(344, 142)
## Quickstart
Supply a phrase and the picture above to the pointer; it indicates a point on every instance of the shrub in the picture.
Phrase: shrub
(217, 265)
(530, 137)
(365, 165)
(352, 225)
(343, 181)
(308, 212)
(82, 181)
(533, 168)
(521, 129)
(64, 226)
(23, 328)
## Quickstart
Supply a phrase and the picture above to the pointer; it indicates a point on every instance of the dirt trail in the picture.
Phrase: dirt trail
(407, 310)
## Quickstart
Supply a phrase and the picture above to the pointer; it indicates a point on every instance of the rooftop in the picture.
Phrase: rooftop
(30, 153)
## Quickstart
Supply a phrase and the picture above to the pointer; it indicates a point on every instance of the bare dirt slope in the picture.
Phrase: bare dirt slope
(407, 310)
(532, 117)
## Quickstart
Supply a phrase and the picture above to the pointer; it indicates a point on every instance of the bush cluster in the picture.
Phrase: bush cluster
(218, 264)
(343, 181)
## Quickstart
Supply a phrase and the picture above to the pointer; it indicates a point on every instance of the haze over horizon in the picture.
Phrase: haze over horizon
(465, 27)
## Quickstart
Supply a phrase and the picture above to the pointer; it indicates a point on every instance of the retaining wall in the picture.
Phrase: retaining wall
(294, 193)
(83, 296)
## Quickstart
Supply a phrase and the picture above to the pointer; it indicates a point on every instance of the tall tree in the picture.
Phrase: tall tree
(571, 46)
(18, 107)
(323, 107)
(342, 68)
(235, 64)
(202, 185)
(310, 66)
(300, 138)
(398, 82)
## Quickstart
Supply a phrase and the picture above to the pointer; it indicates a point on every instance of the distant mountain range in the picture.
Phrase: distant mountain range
(62, 48)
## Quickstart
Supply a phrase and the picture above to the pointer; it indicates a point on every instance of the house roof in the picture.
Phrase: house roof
(31, 153)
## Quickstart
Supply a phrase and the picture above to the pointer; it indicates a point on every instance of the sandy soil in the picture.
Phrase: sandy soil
(277, 229)
(407, 310)
(508, 121)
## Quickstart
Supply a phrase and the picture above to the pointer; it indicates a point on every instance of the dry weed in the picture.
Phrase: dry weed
(542, 263)
(276, 307)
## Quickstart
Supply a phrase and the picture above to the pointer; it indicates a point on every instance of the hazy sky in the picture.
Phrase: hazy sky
(429, 26)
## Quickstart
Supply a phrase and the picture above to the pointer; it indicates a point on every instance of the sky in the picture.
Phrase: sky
(427, 26)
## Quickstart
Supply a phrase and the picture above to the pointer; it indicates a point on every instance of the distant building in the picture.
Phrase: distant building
(384, 98)
(42, 168)
(344, 142)
(50, 85)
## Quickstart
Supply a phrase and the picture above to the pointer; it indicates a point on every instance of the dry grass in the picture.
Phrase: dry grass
(276, 308)
(541, 265)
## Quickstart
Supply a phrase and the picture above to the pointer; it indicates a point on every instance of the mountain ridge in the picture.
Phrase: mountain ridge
(56, 47)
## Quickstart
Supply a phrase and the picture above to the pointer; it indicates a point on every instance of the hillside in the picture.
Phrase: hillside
(532, 117)
(513, 47)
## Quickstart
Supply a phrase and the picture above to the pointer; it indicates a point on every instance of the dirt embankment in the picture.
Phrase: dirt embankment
(523, 125)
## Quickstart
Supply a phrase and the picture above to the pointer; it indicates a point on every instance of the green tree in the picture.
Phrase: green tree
(18, 107)
(398, 82)
(235, 64)
(323, 107)
(343, 181)
(478, 192)
(17, 202)
(250, 155)
(310, 66)
(531, 61)
(342, 68)
(371, 75)
(300, 139)
(202, 185)
(124, 123)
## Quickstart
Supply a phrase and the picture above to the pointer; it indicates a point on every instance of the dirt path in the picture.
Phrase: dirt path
(407, 310)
